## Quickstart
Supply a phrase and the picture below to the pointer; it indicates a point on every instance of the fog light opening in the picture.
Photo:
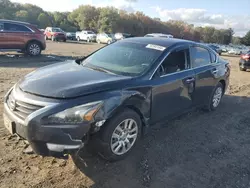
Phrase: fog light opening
(100, 123)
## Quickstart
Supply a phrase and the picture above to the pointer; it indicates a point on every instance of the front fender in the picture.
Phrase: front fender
(139, 101)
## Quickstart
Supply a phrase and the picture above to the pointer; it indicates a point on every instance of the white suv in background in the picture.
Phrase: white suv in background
(88, 36)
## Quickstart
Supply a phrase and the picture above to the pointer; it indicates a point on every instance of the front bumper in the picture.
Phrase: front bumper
(46, 140)
(60, 37)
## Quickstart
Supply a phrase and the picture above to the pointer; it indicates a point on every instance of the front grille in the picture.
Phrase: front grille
(19, 108)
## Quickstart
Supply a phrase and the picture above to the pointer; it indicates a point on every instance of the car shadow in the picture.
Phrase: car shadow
(23, 61)
(198, 149)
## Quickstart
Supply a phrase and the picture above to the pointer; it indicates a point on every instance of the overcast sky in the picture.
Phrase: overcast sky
(217, 13)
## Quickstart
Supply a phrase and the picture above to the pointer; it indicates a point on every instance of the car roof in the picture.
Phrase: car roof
(14, 21)
(165, 42)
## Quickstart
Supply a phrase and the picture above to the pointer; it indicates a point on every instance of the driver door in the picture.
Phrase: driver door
(173, 85)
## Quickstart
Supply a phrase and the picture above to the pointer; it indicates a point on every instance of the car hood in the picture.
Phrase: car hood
(69, 80)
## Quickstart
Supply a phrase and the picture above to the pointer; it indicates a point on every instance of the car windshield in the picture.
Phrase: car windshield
(90, 32)
(56, 30)
(124, 58)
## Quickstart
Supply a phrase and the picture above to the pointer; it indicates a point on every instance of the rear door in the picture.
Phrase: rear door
(204, 64)
(15, 35)
(173, 85)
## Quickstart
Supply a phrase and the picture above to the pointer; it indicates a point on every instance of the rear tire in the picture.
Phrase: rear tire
(119, 136)
(215, 98)
(33, 49)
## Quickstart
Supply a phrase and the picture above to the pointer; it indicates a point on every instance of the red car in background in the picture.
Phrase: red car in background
(55, 34)
(245, 61)
(21, 37)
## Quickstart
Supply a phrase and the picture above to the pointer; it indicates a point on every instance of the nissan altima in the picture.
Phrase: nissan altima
(112, 97)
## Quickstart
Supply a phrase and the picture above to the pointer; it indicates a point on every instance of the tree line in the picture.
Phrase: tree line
(110, 19)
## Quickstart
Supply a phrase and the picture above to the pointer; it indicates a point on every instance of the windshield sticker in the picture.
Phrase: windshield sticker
(156, 47)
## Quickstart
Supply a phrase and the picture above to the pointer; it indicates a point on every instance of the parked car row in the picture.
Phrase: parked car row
(27, 38)
(231, 49)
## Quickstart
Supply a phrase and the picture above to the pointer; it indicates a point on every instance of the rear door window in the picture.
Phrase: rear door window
(178, 60)
(15, 28)
(200, 57)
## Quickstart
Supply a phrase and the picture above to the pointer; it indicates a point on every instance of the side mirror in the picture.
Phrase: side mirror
(78, 61)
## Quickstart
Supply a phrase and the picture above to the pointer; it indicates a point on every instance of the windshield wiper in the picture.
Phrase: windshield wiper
(99, 69)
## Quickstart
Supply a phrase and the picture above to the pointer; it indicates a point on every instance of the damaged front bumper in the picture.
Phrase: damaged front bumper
(45, 140)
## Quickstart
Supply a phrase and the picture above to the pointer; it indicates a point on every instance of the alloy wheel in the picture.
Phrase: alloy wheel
(217, 97)
(34, 49)
(124, 136)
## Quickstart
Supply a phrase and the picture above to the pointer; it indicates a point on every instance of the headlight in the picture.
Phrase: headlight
(75, 115)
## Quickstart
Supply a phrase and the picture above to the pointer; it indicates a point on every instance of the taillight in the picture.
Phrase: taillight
(245, 56)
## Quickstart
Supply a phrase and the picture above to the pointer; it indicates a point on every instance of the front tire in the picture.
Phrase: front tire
(119, 135)
(242, 69)
(78, 39)
(33, 49)
(53, 38)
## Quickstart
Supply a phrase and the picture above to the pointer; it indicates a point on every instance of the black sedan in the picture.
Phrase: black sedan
(245, 61)
(110, 98)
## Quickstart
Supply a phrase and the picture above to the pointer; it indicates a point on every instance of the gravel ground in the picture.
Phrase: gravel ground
(197, 149)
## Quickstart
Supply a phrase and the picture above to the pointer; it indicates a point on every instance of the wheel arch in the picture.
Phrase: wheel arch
(137, 103)
(223, 82)
(33, 40)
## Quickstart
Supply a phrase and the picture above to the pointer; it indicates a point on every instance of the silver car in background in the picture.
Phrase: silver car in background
(105, 38)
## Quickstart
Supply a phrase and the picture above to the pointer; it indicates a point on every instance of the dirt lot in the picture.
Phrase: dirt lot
(196, 150)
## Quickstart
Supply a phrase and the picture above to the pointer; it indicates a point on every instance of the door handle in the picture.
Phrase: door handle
(190, 80)
(215, 71)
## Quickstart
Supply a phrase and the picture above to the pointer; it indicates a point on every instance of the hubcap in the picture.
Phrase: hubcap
(124, 137)
(217, 97)
(34, 49)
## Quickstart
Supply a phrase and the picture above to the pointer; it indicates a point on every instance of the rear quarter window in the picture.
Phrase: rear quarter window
(213, 57)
